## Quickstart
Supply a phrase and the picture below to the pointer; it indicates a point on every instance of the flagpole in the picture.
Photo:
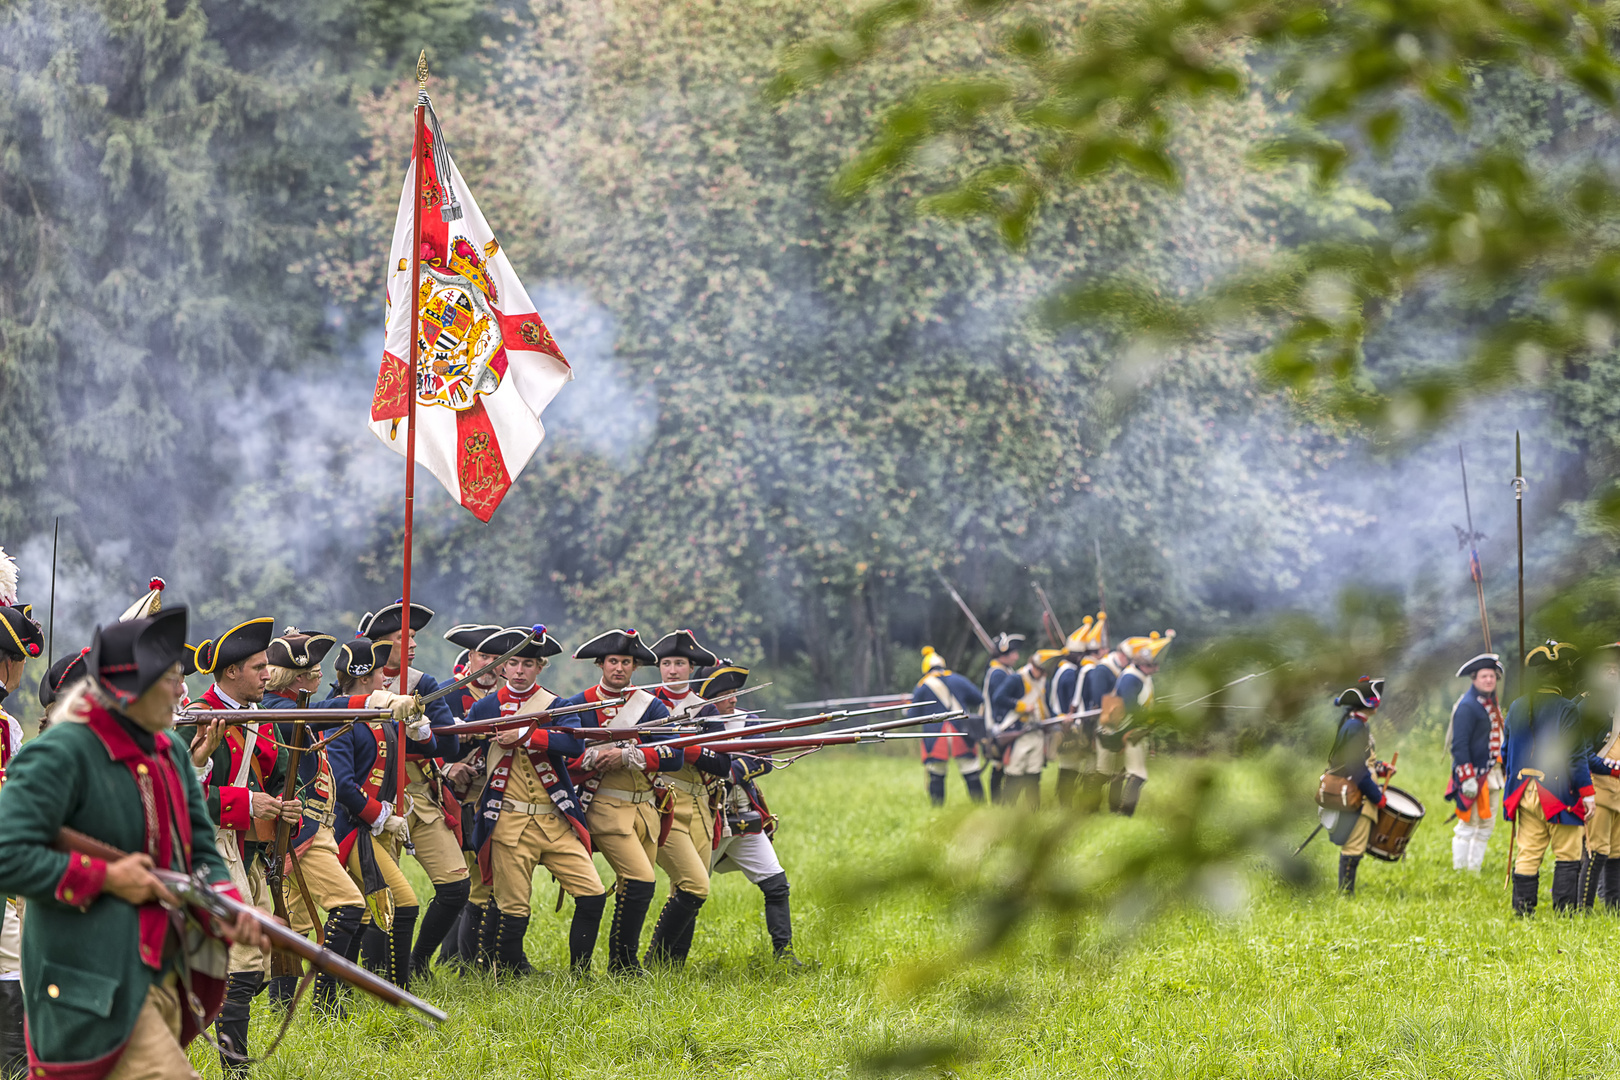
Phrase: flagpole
(419, 145)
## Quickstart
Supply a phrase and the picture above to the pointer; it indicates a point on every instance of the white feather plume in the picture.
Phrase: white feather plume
(8, 578)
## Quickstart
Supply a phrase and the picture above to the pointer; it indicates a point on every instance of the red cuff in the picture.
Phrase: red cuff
(235, 808)
(650, 756)
(1588, 790)
(539, 740)
(373, 810)
(82, 881)
(694, 754)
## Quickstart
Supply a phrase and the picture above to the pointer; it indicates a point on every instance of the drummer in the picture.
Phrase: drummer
(1352, 757)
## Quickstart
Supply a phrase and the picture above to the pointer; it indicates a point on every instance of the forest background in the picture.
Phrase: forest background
(790, 406)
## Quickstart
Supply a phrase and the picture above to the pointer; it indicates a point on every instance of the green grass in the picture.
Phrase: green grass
(1423, 974)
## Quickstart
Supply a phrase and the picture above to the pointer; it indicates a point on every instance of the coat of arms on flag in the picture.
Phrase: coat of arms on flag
(486, 364)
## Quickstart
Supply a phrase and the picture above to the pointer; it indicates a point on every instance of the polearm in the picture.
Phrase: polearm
(1519, 484)
(50, 632)
(1049, 619)
(1102, 598)
(978, 628)
(205, 898)
(1470, 540)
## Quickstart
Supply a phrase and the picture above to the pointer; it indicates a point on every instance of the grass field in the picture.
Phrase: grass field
(1423, 974)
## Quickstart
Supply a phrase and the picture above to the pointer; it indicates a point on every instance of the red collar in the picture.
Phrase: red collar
(515, 695)
(120, 746)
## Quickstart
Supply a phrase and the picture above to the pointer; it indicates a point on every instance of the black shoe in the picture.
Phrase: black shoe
(583, 931)
(1566, 885)
(1347, 873)
(282, 989)
(510, 962)
(1525, 889)
(624, 936)
(1133, 792)
(440, 918)
(788, 959)
(1592, 877)
(936, 789)
(975, 787)
(1116, 793)
(672, 933)
(231, 1029)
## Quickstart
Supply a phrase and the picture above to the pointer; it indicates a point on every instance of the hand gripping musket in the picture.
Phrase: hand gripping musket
(204, 898)
(1011, 734)
(978, 628)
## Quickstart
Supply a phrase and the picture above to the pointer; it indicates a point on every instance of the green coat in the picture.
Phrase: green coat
(89, 957)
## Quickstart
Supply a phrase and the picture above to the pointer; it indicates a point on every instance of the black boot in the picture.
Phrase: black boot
(13, 1051)
(1611, 884)
(1525, 888)
(936, 789)
(675, 924)
(1591, 877)
(437, 921)
(231, 1029)
(1566, 884)
(1021, 789)
(1091, 792)
(510, 962)
(998, 778)
(374, 953)
(583, 930)
(1347, 873)
(343, 938)
(399, 946)
(624, 936)
(779, 918)
(1133, 792)
(282, 989)
(488, 923)
(1116, 793)
(451, 953)
(1067, 781)
(975, 788)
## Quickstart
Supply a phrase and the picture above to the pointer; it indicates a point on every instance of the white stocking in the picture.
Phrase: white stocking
(1462, 845)
(1482, 839)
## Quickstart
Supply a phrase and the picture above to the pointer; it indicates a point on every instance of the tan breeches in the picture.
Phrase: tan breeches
(626, 834)
(1135, 755)
(384, 851)
(432, 842)
(480, 893)
(249, 881)
(153, 1051)
(685, 852)
(1357, 844)
(1536, 835)
(1603, 831)
(330, 886)
(533, 841)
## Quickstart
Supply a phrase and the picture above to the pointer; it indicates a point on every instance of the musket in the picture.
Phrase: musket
(1235, 682)
(1102, 598)
(535, 634)
(282, 962)
(705, 701)
(195, 892)
(703, 737)
(978, 628)
(1007, 738)
(244, 717)
(507, 723)
(1470, 540)
(50, 630)
(1519, 484)
(833, 703)
(868, 733)
(1049, 619)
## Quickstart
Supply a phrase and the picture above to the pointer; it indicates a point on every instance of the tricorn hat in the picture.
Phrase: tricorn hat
(361, 656)
(720, 680)
(1480, 663)
(1366, 694)
(459, 668)
(300, 650)
(503, 641)
(235, 645)
(20, 635)
(684, 643)
(1552, 654)
(468, 635)
(62, 674)
(1006, 643)
(126, 658)
(377, 625)
(616, 643)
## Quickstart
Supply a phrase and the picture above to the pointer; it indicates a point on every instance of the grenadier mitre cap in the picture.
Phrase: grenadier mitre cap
(62, 674)
(468, 635)
(720, 680)
(20, 635)
(616, 643)
(1366, 694)
(148, 605)
(1146, 650)
(1006, 643)
(300, 650)
(1482, 662)
(235, 645)
(1089, 637)
(931, 660)
(361, 656)
(377, 625)
(503, 641)
(126, 658)
(1047, 659)
(684, 643)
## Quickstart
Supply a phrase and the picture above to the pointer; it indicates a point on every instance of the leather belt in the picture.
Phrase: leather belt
(627, 796)
(697, 791)
(326, 818)
(544, 809)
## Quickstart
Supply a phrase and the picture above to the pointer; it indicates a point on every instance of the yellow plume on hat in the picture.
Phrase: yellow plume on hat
(931, 660)
(1089, 637)
(1146, 649)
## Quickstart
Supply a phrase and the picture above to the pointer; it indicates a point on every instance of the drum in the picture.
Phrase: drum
(1397, 819)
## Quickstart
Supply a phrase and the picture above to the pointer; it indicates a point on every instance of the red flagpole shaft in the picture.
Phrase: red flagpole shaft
(420, 144)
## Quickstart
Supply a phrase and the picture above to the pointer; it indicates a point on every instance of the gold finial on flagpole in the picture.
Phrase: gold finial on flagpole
(421, 71)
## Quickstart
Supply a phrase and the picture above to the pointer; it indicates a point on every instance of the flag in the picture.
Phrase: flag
(487, 366)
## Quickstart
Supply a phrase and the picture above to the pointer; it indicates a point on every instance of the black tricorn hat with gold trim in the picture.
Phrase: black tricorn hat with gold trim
(377, 625)
(684, 643)
(720, 680)
(126, 658)
(616, 643)
(20, 635)
(235, 645)
(300, 650)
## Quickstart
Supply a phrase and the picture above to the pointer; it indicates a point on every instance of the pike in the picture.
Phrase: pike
(1469, 540)
(50, 632)
(1519, 484)
(1049, 619)
(1102, 600)
(196, 893)
(978, 628)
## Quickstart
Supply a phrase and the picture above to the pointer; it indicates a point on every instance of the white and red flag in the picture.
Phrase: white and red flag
(486, 365)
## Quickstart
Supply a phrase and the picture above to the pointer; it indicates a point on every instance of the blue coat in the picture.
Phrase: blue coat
(351, 757)
(927, 703)
(558, 748)
(1348, 758)
(1098, 681)
(1542, 737)
(1470, 743)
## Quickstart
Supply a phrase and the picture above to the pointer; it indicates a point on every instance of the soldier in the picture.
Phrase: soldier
(295, 668)
(747, 827)
(464, 779)
(686, 847)
(1602, 702)
(530, 814)
(1019, 713)
(621, 804)
(1118, 730)
(469, 636)
(1003, 668)
(1075, 740)
(101, 970)
(1549, 793)
(1097, 682)
(942, 690)
(244, 772)
(1353, 757)
(20, 641)
(432, 812)
(1475, 739)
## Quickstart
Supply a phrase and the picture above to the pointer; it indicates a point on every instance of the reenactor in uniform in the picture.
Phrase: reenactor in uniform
(1549, 791)
(470, 636)
(1475, 739)
(102, 967)
(686, 847)
(1118, 731)
(1073, 745)
(20, 641)
(1600, 707)
(1019, 713)
(529, 814)
(295, 659)
(1096, 683)
(941, 690)
(747, 827)
(1003, 668)
(432, 812)
(1354, 757)
(244, 772)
